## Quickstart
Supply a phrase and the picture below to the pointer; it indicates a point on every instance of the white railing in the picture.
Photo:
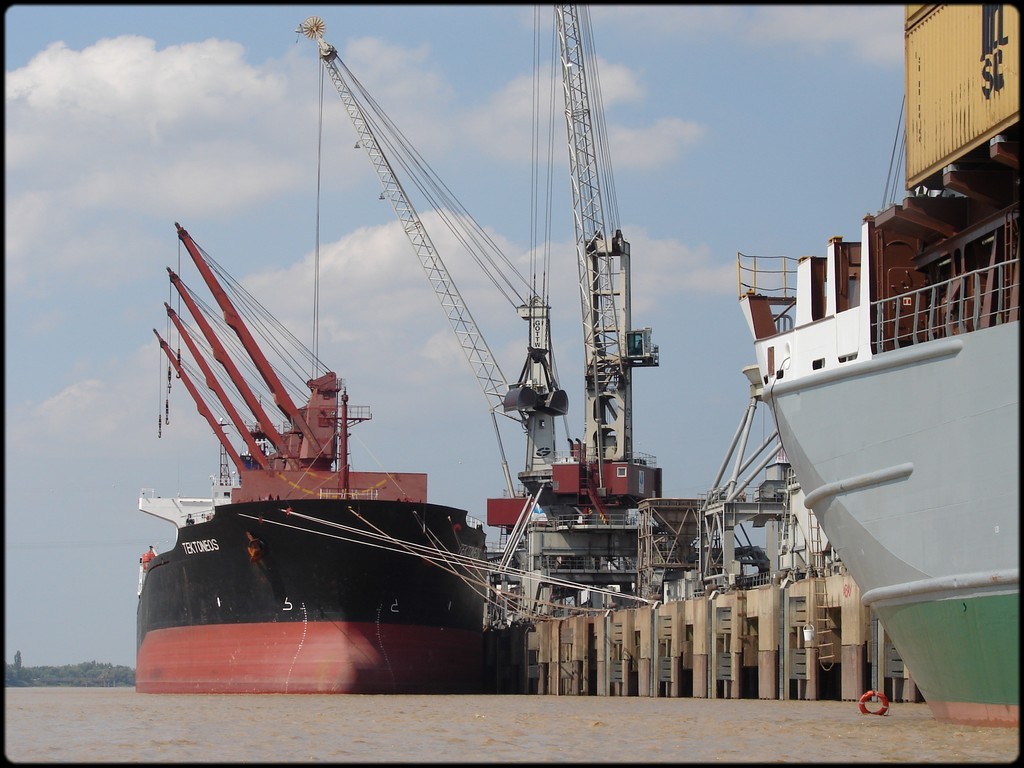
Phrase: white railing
(980, 299)
(637, 457)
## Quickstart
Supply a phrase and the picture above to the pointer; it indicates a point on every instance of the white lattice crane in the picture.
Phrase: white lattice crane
(611, 347)
(535, 398)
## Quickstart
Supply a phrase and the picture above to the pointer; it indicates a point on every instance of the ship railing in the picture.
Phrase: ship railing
(769, 284)
(982, 298)
(644, 459)
(637, 457)
(587, 517)
(364, 493)
(773, 276)
(752, 580)
(553, 563)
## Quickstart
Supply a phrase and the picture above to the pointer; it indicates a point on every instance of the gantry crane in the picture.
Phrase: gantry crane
(610, 473)
(586, 547)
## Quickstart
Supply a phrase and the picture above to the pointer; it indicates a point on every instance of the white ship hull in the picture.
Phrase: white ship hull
(905, 490)
(899, 413)
(923, 505)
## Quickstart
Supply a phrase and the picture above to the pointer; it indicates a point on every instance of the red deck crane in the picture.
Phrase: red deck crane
(311, 456)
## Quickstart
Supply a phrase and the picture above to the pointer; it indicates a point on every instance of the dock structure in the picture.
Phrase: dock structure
(734, 594)
(810, 639)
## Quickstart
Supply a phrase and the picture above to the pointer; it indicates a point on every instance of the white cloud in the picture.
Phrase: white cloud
(123, 89)
(503, 127)
(874, 33)
(91, 414)
(121, 101)
(655, 145)
(669, 269)
(99, 139)
(24, 215)
(619, 84)
(377, 306)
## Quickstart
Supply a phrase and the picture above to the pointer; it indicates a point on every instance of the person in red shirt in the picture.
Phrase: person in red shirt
(145, 559)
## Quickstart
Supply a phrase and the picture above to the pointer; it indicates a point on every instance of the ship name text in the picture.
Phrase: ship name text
(199, 546)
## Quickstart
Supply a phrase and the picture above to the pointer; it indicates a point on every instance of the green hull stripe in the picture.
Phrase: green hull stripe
(960, 650)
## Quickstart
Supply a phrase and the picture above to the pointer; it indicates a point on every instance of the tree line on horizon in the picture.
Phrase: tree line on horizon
(88, 674)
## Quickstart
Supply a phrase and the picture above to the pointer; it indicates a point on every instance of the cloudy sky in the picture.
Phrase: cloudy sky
(759, 129)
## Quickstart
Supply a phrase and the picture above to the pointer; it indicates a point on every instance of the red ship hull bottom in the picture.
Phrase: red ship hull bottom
(309, 657)
(973, 713)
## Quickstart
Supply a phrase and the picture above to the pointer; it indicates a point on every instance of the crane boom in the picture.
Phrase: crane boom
(221, 355)
(488, 374)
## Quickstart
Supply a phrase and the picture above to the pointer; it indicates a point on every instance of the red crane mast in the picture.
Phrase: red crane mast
(303, 464)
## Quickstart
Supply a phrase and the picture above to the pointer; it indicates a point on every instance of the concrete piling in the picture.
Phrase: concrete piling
(808, 639)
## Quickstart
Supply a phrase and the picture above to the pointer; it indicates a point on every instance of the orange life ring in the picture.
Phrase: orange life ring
(881, 697)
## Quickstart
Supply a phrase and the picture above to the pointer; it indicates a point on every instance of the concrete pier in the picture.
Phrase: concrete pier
(808, 639)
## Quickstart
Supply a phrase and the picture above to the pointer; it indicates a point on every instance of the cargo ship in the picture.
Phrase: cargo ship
(299, 574)
(892, 370)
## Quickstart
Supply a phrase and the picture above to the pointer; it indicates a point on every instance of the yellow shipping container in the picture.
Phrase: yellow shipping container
(962, 80)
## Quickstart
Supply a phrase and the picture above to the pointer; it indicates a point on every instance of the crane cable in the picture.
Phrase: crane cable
(549, 166)
(597, 112)
(895, 160)
(316, 228)
(441, 199)
(541, 243)
(431, 555)
(165, 397)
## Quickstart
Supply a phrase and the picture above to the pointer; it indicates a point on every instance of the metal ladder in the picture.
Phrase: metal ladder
(822, 622)
(823, 626)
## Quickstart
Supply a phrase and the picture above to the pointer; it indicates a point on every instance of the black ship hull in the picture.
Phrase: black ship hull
(316, 596)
